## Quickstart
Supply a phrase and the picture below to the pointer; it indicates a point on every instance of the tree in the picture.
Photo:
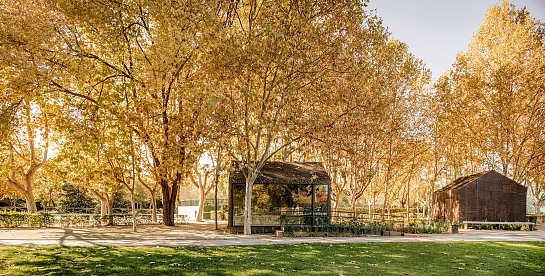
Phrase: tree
(152, 190)
(275, 58)
(27, 116)
(492, 101)
(26, 158)
(131, 61)
(201, 178)
(91, 154)
(537, 190)
(74, 197)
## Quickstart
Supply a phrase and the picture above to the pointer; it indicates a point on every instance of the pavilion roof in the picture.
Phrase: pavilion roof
(292, 173)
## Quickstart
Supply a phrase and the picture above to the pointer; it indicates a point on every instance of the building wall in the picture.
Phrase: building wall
(493, 197)
(446, 205)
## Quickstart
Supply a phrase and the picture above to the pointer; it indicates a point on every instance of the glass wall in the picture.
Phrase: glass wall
(270, 202)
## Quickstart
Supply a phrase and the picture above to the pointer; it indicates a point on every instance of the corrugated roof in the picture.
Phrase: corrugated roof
(463, 181)
(293, 173)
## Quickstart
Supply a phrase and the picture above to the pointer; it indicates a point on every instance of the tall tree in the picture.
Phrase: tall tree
(27, 113)
(275, 57)
(493, 100)
(28, 155)
(143, 55)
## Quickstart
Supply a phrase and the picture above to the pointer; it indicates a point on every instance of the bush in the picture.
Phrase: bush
(428, 227)
(351, 226)
(21, 219)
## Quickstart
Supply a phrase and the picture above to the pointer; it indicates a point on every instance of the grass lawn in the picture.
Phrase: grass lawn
(456, 258)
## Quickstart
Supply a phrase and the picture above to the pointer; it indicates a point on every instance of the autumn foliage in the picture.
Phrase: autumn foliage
(103, 94)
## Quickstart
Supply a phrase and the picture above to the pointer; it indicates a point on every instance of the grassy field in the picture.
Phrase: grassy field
(459, 258)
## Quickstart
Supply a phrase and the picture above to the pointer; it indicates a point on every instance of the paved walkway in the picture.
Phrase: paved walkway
(204, 234)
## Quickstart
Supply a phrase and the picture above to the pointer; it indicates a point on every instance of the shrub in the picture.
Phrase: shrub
(428, 227)
(21, 219)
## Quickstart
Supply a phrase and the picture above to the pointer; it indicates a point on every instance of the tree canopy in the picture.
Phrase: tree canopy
(102, 93)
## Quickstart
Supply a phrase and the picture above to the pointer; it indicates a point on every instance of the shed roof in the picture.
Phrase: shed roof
(293, 173)
(462, 181)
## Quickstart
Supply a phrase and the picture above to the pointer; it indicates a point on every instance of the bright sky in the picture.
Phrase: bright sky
(436, 30)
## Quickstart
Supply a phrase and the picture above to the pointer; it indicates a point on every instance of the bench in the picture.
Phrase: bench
(498, 223)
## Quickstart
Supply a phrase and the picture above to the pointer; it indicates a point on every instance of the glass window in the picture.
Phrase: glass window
(270, 201)
(320, 204)
(238, 204)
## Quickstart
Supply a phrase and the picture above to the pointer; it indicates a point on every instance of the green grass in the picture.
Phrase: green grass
(457, 258)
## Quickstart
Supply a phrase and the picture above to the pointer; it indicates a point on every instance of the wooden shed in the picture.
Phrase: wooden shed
(298, 190)
(486, 196)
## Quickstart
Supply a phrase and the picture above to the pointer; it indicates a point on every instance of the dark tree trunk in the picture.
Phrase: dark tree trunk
(154, 206)
(170, 193)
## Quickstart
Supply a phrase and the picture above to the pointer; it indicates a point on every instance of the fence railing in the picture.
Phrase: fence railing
(46, 219)
(207, 202)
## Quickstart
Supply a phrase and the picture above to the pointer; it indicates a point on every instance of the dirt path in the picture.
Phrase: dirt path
(204, 234)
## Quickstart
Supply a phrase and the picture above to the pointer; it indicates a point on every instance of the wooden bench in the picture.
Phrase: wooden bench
(498, 223)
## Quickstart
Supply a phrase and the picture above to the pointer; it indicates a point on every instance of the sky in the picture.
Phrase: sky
(436, 30)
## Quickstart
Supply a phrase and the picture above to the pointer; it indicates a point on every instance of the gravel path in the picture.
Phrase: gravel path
(204, 234)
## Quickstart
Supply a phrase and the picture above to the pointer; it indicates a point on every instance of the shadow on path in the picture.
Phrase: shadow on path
(204, 234)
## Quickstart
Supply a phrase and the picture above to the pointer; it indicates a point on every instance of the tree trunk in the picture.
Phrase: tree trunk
(248, 207)
(216, 179)
(154, 206)
(354, 207)
(336, 204)
(133, 210)
(537, 205)
(169, 202)
(201, 204)
(153, 194)
(373, 207)
(110, 207)
(103, 207)
(30, 202)
(29, 192)
(384, 206)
